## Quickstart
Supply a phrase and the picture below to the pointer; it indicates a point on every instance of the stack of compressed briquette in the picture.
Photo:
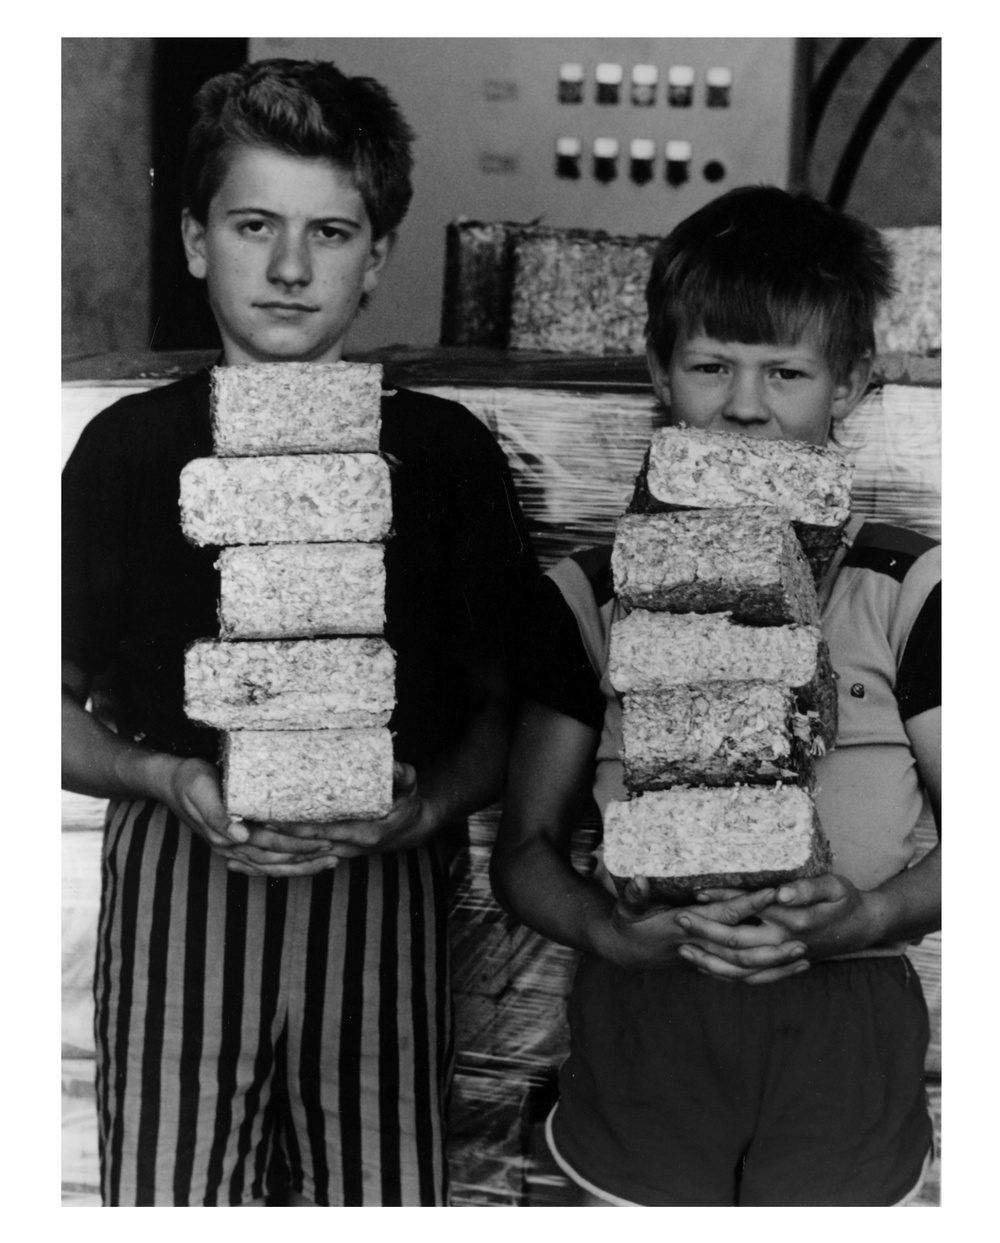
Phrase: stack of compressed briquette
(299, 682)
(726, 685)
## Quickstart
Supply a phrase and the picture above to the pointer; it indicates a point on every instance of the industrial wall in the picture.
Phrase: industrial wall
(120, 225)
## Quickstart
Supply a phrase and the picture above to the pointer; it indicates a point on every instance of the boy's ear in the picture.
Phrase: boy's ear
(193, 234)
(378, 256)
(847, 394)
(658, 375)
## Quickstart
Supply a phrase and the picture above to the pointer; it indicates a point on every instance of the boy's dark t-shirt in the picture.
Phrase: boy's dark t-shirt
(136, 593)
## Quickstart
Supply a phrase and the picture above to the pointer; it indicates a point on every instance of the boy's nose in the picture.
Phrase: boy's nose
(290, 262)
(746, 401)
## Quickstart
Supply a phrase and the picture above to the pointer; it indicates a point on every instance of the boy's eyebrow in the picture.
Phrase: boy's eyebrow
(333, 218)
(789, 353)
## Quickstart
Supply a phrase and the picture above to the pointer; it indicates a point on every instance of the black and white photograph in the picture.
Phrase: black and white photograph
(501, 548)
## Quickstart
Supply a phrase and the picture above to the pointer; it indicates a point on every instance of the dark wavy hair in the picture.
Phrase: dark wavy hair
(306, 108)
(762, 266)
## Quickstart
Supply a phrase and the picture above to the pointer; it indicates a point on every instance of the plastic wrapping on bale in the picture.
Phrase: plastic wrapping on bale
(746, 562)
(685, 839)
(686, 468)
(275, 408)
(510, 985)
(308, 498)
(274, 591)
(717, 734)
(284, 685)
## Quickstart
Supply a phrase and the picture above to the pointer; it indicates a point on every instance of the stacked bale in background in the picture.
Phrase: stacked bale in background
(299, 682)
(726, 685)
(526, 286)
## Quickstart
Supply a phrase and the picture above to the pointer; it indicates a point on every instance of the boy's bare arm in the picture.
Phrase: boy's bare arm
(551, 766)
(97, 762)
(832, 916)
(459, 782)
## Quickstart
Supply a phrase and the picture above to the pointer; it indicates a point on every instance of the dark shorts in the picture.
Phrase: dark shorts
(682, 1090)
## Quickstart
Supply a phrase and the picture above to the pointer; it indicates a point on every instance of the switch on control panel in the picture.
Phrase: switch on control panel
(609, 82)
(678, 153)
(605, 159)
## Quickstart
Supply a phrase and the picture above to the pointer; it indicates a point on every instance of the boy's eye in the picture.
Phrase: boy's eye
(332, 233)
(788, 373)
(709, 368)
(253, 227)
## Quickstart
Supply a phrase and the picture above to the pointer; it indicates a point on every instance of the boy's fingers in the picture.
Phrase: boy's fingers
(809, 890)
(404, 779)
(634, 897)
(735, 910)
(717, 895)
(268, 839)
(741, 964)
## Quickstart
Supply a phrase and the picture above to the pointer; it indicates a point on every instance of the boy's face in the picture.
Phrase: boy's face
(287, 253)
(776, 392)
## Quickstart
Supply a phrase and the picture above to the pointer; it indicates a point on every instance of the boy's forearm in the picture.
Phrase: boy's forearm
(97, 762)
(470, 776)
(908, 905)
(538, 885)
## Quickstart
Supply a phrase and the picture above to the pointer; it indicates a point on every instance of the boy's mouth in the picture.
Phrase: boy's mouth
(285, 306)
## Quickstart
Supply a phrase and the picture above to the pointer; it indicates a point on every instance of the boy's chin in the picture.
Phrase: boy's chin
(284, 351)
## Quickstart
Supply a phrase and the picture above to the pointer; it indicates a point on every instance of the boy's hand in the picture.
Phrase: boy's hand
(193, 792)
(712, 937)
(304, 849)
(828, 914)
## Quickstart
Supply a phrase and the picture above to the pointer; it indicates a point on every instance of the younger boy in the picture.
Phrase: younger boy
(252, 998)
(760, 1048)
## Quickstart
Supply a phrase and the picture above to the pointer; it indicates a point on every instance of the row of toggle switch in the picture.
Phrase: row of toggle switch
(642, 160)
(609, 78)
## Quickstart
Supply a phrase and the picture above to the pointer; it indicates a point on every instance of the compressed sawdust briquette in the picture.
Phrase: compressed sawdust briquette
(716, 734)
(305, 498)
(686, 838)
(577, 291)
(747, 562)
(307, 775)
(687, 468)
(265, 409)
(297, 684)
(649, 651)
(272, 591)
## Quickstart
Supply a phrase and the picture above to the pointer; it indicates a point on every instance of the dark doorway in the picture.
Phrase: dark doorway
(180, 315)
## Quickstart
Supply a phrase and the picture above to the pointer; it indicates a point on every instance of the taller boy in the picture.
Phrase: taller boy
(250, 993)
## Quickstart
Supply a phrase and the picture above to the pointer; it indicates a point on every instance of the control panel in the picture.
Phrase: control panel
(627, 135)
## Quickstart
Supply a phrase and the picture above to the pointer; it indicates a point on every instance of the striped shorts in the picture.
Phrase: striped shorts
(244, 1024)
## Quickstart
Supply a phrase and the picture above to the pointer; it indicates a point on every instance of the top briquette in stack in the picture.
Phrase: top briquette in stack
(298, 499)
(686, 468)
